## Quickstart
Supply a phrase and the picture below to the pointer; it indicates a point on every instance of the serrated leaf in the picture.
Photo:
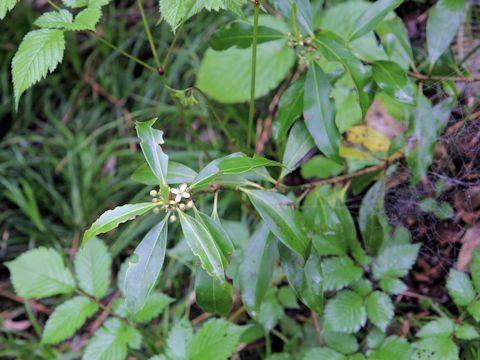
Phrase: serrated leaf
(110, 219)
(442, 327)
(319, 112)
(372, 16)
(345, 312)
(145, 265)
(203, 246)
(392, 79)
(271, 311)
(466, 332)
(211, 295)
(177, 174)
(443, 22)
(217, 339)
(6, 6)
(84, 3)
(393, 347)
(290, 108)
(435, 348)
(150, 141)
(256, 268)
(474, 310)
(299, 144)
(390, 265)
(155, 304)
(39, 53)
(179, 340)
(68, 318)
(55, 20)
(92, 268)
(40, 273)
(380, 309)
(240, 34)
(339, 272)
(323, 354)
(341, 342)
(87, 19)
(277, 211)
(460, 288)
(392, 286)
(111, 341)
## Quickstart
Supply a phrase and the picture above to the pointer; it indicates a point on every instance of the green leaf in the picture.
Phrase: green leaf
(475, 269)
(396, 42)
(39, 52)
(256, 268)
(221, 237)
(155, 304)
(466, 332)
(203, 246)
(474, 310)
(442, 327)
(150, 141)
(55, 20)
(87, 19)
(393, 347)
(274, 60)
(217, 339)
(211, 295)
(392, 79)
(177, 174)
(234, 164)
(460, 288)
(92, 268)
(40, 273)
(323, 354)
(63, 19)
(390, 265)
(271, 311)
(393, 286)
(321, 167)
(179, 340)
(339, 272)
(288, 298)
(277, 211)
(435, 348)
(341, 342)
(380, 309)
(299, 144)
(345, 312)
(111, 341)
(372, 16)
(110, 219)
(319, 112)
(6, 6)
(145, 265)
(302, 9)
(290, 108)
(68, 318)
(334, 49)
(83, 3)
(240, 34)
(372, 218)
(442, 25)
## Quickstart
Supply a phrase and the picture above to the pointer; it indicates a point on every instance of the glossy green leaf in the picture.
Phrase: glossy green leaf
(39, 53)
(221, 237)
(321, 167)
(442, 25)
(240, 34)
(111, 341)
(319, 112)
(303, 11)
(93, 268)
(211, 295)
(6, 6)
(380, 309)
(110, 219)
(256, 268)
(278, 212)
(290, 108)
(395, 41)
(145, 265)
(68, 318)
(334, 49)
(345, 312)
(372, 16)
(177, 174)
(40, 273)
(299, 144)
(203, 246)
(339, 272)
(460, 288)
(392, 79)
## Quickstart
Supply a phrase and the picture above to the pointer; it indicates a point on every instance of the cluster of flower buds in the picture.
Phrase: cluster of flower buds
(180, 199)
(306, 44)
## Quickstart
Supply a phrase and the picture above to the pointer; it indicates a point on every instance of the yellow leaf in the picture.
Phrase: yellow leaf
(369, 138)
(353, 153)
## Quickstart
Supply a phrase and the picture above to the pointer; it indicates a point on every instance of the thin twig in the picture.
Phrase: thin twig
(440, 78)
(149, 35)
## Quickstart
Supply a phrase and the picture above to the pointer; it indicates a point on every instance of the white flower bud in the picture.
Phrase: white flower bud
(182, 206)
(153, 193)
(154, 200)
(156, 210)
(173, 218)
(190, 204)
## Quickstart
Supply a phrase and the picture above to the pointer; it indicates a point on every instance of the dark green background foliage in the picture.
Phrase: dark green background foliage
(216, 179)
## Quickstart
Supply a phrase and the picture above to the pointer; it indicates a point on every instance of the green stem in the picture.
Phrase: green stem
(52, 4)
(251, 114)
(170, 48)
(149, 34)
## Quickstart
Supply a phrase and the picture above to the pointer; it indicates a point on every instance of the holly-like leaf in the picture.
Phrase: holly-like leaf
(380, 309)
(110, 219)
(319, 112)
(68, 318)
(345, 312)
(40, 273)
(277, 211)
(211, 295)
(145, 265)
(92, 268)
(39, 53)
(460, 288)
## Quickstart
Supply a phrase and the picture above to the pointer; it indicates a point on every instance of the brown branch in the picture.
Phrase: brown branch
(34, 304)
